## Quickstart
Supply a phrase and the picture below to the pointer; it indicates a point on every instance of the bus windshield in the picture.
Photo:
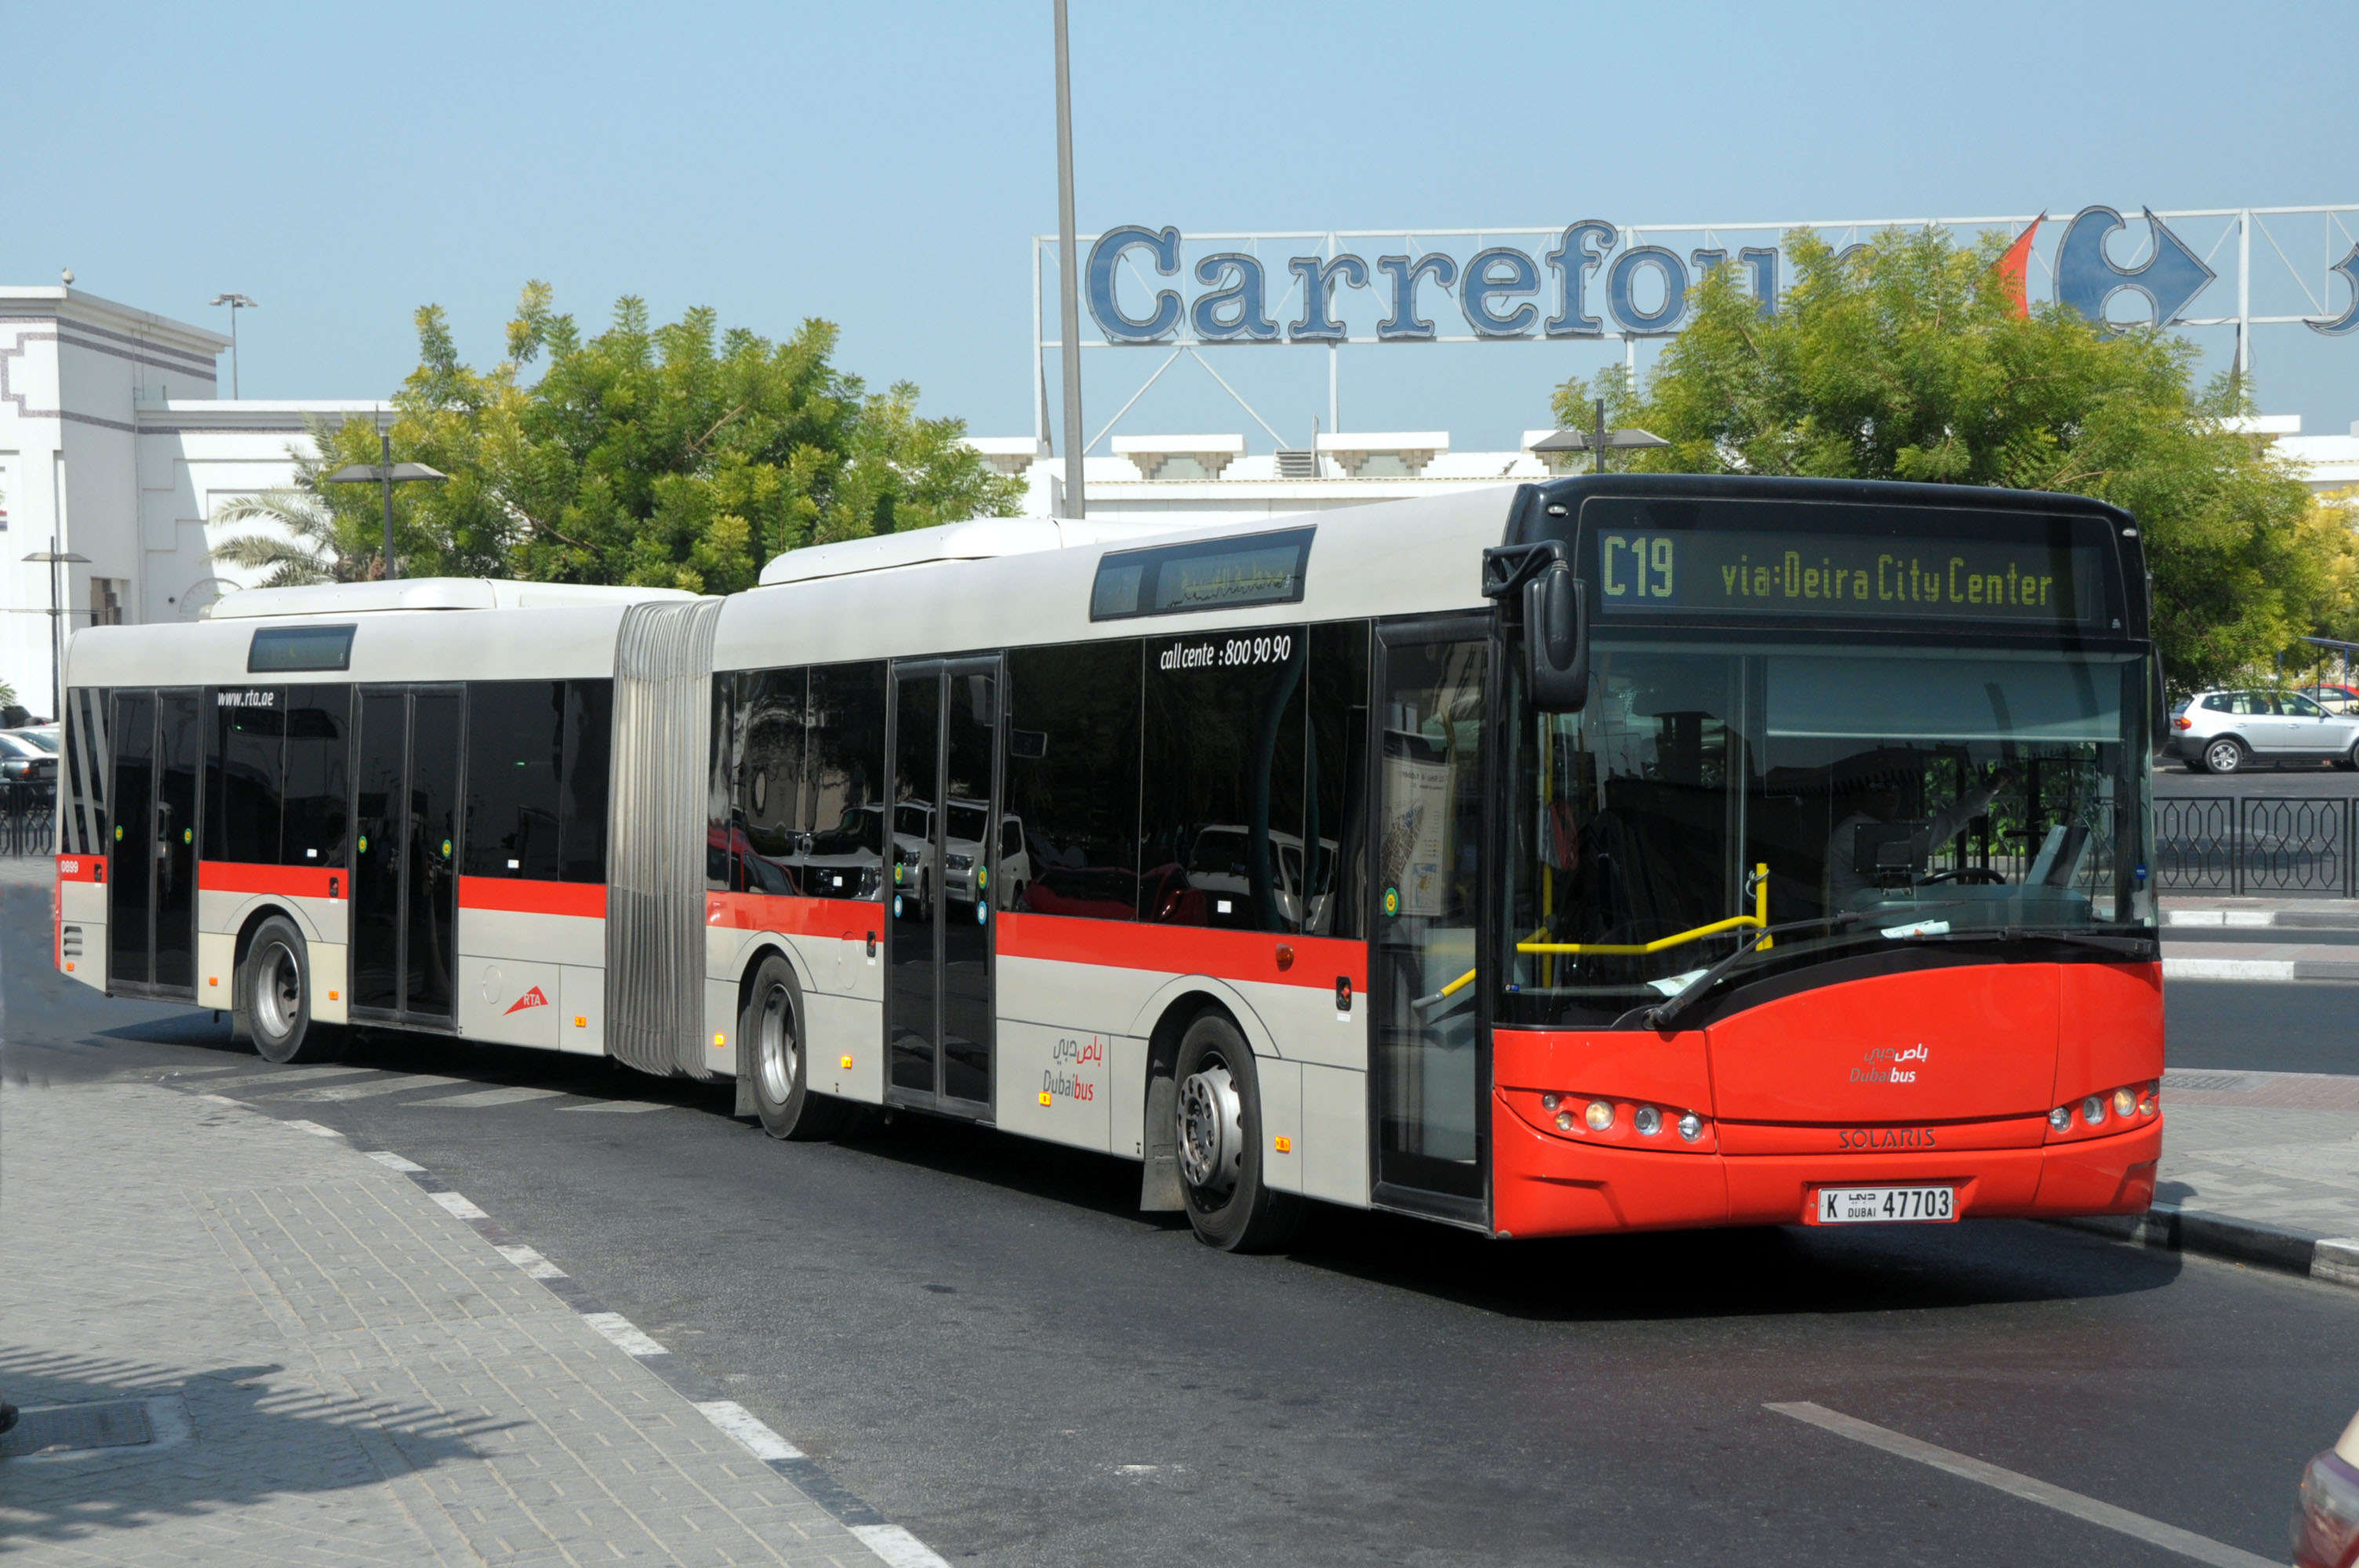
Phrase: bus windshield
(1865, 795)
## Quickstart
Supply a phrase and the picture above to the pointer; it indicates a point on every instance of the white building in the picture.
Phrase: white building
(113, 446)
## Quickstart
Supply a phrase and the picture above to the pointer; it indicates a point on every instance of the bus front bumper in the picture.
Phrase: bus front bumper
(1547, 1185)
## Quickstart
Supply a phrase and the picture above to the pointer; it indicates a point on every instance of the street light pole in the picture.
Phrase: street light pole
(236, 302)
(53, 558)
(386, 473)
(1069, 305)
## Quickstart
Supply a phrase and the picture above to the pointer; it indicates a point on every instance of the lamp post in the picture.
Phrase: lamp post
(387, 473)
(53, 558)
(236, 302)
(1069, 302)
(1597, 439)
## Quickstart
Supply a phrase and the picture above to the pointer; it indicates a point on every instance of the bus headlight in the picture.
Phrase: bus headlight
(1691, 1127)
(2093, 1110)
(2125, 1102)
(1600, 1115)
(1649, 1121)
(2060, 1118)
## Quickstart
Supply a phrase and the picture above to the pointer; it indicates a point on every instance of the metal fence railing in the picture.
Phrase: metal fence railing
(28, 810)
(2257, 844)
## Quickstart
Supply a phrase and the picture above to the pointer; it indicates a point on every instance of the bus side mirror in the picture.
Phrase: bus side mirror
(1555, 640)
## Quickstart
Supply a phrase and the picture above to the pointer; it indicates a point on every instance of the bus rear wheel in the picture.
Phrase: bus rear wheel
(274, 998)
(772, 1028)
(1219, 1140)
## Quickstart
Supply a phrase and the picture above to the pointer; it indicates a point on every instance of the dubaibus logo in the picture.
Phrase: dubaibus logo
(1890, 1065)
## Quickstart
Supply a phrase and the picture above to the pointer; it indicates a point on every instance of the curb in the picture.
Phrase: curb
(2332, 1260)
(2261, 919)
(2260, 968)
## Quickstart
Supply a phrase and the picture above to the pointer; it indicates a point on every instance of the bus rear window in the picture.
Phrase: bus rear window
(299, 648)
(1207, 574)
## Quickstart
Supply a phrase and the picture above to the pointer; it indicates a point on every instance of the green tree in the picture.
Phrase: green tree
(677, 456)
(1907, 360)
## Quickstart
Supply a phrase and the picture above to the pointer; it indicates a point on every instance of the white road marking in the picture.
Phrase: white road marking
(749, 1430)
(307, 1075)
(314, 1128)
(2226, 969)
(897, 1546)
(532, 1263)
(387, 1158)
(623, 1333)
(621, 1105)
(2154, 1532)
(485, 1099)
(223, 1099)
(338, 1092)
(458, 1206)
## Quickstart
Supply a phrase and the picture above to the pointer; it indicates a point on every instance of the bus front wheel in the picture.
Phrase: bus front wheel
(274, 998)
(1219, 1139)
(772, 1028)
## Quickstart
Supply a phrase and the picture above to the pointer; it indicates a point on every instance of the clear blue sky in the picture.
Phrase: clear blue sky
(882, 164)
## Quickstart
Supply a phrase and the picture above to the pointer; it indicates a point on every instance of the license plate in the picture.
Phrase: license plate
(1886, 1205)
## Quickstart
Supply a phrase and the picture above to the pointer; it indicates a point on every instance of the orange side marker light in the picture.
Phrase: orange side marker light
(581, 1020)
(1285, 1145)
(847, 1064)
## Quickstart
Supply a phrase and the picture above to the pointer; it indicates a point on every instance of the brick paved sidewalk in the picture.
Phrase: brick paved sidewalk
(336, 1368)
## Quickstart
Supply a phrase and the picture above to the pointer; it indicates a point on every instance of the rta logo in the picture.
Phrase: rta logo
(530, 999)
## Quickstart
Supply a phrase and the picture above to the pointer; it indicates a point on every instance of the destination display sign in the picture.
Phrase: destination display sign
(1881, 576)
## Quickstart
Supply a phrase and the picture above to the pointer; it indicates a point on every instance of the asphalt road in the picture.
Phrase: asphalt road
(980, 1337)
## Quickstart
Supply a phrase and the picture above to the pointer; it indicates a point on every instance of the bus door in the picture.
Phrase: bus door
(405, 853)
(151, 870)
(938, 1000)
(1426, 965)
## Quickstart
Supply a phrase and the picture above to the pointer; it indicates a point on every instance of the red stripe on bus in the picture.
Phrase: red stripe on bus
(515, 896)
(792, 915)
(1315, 961)
(82, 867)
(282, 881)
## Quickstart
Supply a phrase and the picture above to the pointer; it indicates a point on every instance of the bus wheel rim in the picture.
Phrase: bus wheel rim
(1212, 1133)
(278, 990)
(775, 1051)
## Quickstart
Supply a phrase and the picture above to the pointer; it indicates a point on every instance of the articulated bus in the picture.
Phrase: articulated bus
(1612, 853)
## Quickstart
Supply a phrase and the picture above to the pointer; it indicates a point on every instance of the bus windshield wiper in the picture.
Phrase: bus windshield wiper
(1662, 1015)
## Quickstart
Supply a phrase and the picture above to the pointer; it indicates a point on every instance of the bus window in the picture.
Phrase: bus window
(582, 797)
(514, 744)
(1335, 893)
(1223, 775)
(1073, 780)
(771, 776)
(844, 767)
(724, 745)
(246, 774)
(318, 775)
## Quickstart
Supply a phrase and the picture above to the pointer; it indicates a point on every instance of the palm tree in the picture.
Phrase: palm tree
(301, 543)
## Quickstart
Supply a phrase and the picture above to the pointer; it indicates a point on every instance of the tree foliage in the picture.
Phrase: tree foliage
(1904, 359)
(302, 535)
(678, 456)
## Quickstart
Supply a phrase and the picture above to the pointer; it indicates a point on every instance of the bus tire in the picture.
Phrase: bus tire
(772, 1028)
(1219, 1139)
(274, 998)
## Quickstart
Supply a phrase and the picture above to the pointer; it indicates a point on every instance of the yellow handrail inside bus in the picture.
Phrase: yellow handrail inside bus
(1757, 921)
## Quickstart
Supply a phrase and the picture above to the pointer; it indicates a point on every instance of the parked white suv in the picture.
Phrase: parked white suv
(2223, 732)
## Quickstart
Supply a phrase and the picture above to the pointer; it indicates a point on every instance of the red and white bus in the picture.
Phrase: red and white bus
(1619, 852)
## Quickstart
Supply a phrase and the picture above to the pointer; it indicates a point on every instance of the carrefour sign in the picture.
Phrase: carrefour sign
(1593, 279)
